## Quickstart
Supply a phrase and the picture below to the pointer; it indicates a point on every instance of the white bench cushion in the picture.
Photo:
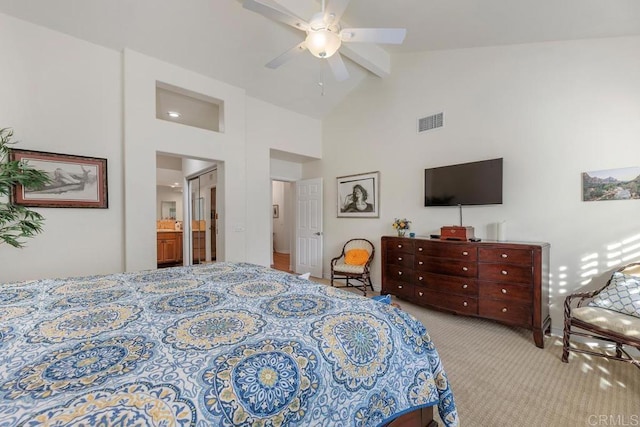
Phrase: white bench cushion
(347, 268)
(603, 318)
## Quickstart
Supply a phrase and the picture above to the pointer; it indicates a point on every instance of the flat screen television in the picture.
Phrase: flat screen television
(475, 183)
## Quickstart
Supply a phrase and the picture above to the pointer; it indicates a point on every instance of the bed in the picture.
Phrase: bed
(219, 344)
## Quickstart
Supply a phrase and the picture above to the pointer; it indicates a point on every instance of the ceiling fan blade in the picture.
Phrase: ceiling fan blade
(275, 13)
(275, 63)
(334, 9)
(338, 67)
(374, 35)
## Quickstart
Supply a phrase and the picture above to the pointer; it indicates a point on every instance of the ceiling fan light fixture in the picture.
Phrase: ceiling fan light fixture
(322, 43)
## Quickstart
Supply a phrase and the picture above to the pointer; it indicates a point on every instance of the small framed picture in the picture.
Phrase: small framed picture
(76, 181)
(276, 211)
(611, 184)
(359, 195)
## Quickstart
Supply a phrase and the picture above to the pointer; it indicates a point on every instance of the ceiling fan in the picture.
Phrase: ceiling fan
(324, 33)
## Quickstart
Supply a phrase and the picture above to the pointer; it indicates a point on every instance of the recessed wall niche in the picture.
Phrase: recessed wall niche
(175, 104)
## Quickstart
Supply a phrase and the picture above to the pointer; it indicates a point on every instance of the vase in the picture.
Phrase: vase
(401, 233)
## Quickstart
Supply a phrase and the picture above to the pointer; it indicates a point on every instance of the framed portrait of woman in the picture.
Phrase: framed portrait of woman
(359, 195)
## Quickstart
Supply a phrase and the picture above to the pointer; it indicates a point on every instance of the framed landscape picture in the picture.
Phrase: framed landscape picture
(359, 195)
(611, 184)
(76, 181)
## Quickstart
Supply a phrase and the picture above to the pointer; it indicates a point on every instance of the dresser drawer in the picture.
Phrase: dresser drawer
(505, 273)
(505, 311)
(400, 244)
(458, 303)
(399, 273)
(400, 289)
(505, 291)
(400, 258)
(446, 266)
(506, 255)
(453, 251)
(448, 284)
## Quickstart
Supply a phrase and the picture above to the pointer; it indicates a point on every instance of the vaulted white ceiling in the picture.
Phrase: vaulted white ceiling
(221, 39)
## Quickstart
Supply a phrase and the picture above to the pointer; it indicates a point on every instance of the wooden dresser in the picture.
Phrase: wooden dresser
(504, 281)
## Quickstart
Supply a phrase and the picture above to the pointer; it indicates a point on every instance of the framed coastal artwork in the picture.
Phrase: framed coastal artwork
(611, 184)
(359, 195)
(76, 181)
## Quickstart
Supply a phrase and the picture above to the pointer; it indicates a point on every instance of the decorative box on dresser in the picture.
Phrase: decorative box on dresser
(504, 281)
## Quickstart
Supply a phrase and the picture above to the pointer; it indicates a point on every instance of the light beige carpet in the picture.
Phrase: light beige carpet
(500, 378)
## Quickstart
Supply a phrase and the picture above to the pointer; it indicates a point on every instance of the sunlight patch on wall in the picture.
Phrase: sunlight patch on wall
(562, 284)
(624, 251)
(590, 273)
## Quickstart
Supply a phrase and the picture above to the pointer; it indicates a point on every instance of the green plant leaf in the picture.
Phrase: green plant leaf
(17, 222)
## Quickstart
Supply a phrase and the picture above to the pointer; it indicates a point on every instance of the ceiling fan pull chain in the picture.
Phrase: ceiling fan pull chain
(321, 82)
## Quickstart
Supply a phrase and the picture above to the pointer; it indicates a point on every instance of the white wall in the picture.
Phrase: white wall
(551, 110)
(144, 135)
(63, 95)
(270, 127)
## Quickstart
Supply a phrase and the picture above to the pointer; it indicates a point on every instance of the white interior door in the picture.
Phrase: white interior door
(309, 227)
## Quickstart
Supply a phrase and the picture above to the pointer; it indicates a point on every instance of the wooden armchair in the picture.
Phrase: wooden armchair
(353, 264)
(600, 323)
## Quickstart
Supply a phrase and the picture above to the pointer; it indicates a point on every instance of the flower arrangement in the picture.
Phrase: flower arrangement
(401, 225)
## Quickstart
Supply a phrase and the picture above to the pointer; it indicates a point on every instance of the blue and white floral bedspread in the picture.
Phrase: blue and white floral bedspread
(221, 344)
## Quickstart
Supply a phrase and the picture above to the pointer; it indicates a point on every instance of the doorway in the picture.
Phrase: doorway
(190, 202)
(203, 216)
(283, 224)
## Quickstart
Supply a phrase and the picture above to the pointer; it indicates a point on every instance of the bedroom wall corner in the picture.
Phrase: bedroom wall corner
(551, 110)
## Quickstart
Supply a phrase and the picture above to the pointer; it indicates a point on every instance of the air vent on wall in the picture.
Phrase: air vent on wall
(434, 121)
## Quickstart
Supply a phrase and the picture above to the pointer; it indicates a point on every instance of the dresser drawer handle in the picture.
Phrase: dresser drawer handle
(465, 269)
(504, 291)
(419, 249)
(465, 253)
(504, 309)
(399, 286)
(399, 246)
(465, 286)
(399, 273)
(504, 272)
(420, 293)
(420, 263)
(504, 256)
(420, 278)
(399, 258)
(465, 304)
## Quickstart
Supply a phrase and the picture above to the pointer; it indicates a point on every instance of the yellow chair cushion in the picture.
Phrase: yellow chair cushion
(356, 257)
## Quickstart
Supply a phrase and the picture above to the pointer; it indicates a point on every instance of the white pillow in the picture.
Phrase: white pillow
(622, 295)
